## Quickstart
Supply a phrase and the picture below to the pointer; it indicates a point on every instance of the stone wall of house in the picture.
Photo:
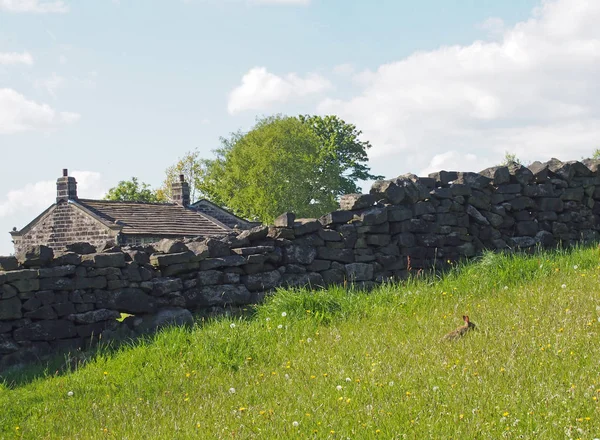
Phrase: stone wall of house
(53, 301)
(62, 225)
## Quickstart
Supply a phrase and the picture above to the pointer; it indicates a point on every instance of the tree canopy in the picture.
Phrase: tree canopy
(299, 164)
(191, 166)
(132, 191)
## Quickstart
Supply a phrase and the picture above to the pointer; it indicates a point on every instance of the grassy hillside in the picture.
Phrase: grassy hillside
(343, 365)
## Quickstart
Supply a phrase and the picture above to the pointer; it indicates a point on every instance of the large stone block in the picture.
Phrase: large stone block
(473, 180)
(35, 256)
(10, 308)
(7, 344)
(310, 279)
(299, 254)
(336, 217)
(388, 190)
(359, 271)
(163, 286)
(130, 300)
(163, 260)
(8, 263)
(350, 202)
(262, 281)
(303, 226)
(520, 174)
(499, 174)
(109, 259)
(94, 316)
(341, 255)
(254, 234)
(170, 246)
(225, 294)
(47, 330)
(550, 204)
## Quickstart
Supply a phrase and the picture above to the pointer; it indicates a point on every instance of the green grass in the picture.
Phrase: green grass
(351, 365)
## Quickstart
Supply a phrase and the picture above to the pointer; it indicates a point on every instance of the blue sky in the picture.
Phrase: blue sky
(115, 89)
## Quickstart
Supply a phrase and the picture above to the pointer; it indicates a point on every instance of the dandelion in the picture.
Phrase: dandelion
(280, 326)
(339, 388)
(348, 379)
(283, 314)
(295, 424)
(268, 319)
(564, 286)
(309, 340)
(391, 383)
(232, 325)
(369, 408)
(231, 390)
(436, 388)
(505, 287)
(287, 376)
(70, 394)
(106, 373)
(575, 267)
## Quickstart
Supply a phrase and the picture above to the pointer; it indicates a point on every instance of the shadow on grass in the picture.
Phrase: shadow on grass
(69, 361)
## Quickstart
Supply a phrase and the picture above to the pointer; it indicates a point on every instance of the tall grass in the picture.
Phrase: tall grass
(350, 364)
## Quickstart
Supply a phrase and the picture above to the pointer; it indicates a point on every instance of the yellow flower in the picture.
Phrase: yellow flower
(505, 414)
(243, 408)
(461, 416)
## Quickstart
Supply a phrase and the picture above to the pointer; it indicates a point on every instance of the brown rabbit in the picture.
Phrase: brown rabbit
(461, 331)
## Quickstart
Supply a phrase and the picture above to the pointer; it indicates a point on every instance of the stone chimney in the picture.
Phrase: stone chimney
(66, 187)
(180, 192)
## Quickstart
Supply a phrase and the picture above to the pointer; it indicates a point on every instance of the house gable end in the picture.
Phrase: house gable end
(64, 223)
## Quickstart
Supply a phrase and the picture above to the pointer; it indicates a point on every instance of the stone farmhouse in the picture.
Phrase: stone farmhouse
(105, 223)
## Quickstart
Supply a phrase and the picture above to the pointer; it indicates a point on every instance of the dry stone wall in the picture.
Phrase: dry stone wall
(53, 302)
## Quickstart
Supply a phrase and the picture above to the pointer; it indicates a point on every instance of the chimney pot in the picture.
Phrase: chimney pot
(66, 187)
(180, 192)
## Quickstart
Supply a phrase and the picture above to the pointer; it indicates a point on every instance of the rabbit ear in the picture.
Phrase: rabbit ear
(465, 318)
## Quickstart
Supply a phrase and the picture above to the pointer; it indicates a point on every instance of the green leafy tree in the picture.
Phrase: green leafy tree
(596, 154)
(299, 164)
(192, 168)
(133, 191)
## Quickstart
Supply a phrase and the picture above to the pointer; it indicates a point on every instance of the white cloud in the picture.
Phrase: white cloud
(261, 89)
(36, 6)
(493, 25)
(17, 114)
(533, 92)
(343, 69)
(11, 58)
(51, 84)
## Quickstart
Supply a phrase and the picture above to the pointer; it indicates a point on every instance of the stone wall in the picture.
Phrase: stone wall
(51, 302)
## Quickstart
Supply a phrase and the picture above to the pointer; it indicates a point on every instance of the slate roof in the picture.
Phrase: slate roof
(137, 218)
(221, 214)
